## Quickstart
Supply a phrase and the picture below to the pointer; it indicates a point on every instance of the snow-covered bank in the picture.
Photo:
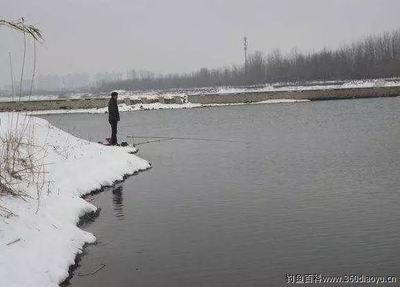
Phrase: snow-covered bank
(122, 108)
(157, 106)
(274, 87)
(40, 242)
(274, 101)
(310, 86)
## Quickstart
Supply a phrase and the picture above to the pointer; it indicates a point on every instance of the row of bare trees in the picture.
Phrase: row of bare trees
(374, 57)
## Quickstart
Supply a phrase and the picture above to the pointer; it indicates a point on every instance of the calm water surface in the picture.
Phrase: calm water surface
(307, 188)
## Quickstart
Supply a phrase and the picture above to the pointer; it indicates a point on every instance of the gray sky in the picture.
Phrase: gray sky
(183, 35)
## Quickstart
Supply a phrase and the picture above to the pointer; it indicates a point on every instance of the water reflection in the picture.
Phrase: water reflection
(118, 201)
(303, 201)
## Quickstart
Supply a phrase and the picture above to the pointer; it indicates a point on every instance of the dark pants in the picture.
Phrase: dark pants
(114, 125)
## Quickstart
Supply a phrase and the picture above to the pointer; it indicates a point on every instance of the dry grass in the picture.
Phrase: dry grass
(22, 168)
(22, 164)
(20, 26)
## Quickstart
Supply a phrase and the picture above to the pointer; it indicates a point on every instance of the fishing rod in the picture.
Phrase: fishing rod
(158, 138)
(153, 141)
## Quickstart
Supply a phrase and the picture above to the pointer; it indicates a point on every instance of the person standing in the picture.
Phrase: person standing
(113, 116)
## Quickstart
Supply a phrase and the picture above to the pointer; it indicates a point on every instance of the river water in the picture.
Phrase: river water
(305, 188)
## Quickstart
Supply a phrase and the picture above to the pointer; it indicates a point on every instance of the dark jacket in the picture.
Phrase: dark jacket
(113, 113)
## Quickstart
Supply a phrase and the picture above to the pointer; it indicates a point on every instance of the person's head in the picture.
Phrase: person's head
(114, 95)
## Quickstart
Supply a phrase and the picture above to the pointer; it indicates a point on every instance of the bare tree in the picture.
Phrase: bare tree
(373, 57)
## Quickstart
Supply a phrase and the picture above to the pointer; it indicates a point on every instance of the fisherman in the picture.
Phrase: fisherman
(113, 117)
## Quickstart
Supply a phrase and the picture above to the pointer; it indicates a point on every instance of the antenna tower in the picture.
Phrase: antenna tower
(245, 46)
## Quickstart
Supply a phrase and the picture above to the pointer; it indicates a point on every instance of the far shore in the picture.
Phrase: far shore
(196, 100)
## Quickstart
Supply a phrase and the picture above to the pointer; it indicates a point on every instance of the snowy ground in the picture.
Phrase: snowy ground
(319, 85)
(40, 242)
(157, 106)
(273, 101)
(134, 95)
(315, 85)
(122, 108)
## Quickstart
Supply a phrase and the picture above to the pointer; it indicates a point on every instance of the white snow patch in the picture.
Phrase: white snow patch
(122, 108)
(275, 87)
(272, 101)
(159, 106)
(318, 85)
(47, 241)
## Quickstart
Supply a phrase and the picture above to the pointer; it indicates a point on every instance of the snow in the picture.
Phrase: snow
(155, 95)
(38, 245)
(158, 106)
(47, 97)
(121, 107)
(134, 95)
(319, 85)
(275, 87)
(272, 101)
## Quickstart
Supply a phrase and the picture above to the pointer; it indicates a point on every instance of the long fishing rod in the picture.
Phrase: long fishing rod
(183, 138)
(153, 141)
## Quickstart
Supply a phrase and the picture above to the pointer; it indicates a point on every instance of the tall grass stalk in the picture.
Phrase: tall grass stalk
(22, 164)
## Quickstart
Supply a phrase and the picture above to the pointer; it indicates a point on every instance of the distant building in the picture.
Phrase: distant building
(27, 85)
(131, 75)
(61, 83)
(7, 90)
(75, 81)
(49, 83)
(4, 93)
(101, 78)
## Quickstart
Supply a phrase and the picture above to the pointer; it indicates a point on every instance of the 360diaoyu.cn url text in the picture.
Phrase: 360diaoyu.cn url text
(343, 279)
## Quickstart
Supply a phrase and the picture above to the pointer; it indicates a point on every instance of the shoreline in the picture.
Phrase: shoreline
(39, 242)
(295, 95)
(91, 216)
(179, 101)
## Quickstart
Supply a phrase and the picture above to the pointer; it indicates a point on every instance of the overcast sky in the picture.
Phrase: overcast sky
(183, 35)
